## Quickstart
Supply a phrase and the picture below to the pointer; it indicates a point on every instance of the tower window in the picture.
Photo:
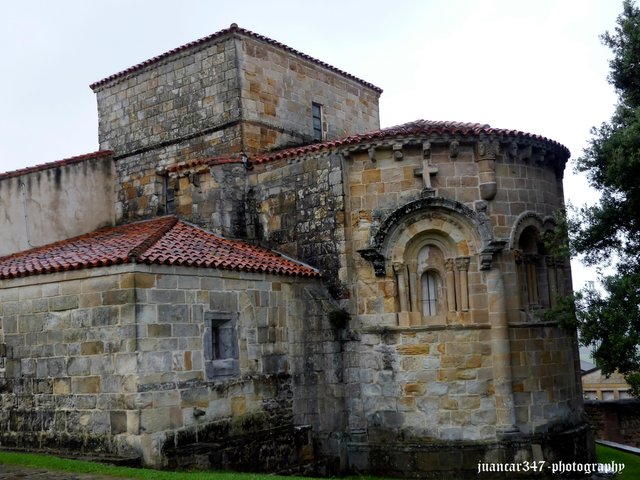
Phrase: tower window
(316, 112)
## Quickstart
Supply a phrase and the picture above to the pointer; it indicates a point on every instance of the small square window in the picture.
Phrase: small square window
(220, 344)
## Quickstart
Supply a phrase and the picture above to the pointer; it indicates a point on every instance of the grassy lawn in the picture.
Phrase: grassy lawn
(51, 462)
(631, 462)
(78, 466)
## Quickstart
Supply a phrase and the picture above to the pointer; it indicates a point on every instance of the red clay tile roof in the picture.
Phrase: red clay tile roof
(412, 129)
(161, 241)
(58, 163)
(214, 36)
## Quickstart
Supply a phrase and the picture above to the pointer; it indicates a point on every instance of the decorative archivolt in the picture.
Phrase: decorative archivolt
(430, 245)
(468, 230)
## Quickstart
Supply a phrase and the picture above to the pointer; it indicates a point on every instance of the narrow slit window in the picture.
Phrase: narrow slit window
(316, 112)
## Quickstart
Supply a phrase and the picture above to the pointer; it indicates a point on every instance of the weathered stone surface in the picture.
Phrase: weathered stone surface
(429, 346)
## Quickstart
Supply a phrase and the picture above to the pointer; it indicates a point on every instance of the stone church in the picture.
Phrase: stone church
(251, 274)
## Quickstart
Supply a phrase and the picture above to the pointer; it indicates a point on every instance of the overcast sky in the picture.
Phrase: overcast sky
(536, 65)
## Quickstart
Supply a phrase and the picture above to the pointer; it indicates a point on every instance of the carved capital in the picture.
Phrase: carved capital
(397, 267)
(376, 258)
(517, 255)
(449, 264)
(462, 263)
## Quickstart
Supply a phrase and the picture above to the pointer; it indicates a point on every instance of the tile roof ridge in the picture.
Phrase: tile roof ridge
(232, 29)
(56, 163)
(166, 223)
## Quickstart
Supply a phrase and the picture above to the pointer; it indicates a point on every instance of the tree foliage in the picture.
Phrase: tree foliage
(609, 232)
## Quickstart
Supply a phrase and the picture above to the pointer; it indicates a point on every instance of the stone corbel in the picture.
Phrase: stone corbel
(372, 154)
(426, 150)
(486, 158)
(526, 153)
(397, 152)
(376, 258)
(194, 179)
(454, 149)
(486, 255)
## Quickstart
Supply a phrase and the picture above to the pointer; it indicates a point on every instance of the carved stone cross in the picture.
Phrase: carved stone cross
(427, 169)
(425, 172)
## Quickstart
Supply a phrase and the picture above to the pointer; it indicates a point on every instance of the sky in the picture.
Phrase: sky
(531, 65)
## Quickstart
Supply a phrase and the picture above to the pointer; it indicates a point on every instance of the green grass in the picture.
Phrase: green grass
(51, 462)
(631, 462)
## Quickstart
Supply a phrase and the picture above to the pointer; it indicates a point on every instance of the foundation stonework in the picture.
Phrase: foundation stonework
(419, 346)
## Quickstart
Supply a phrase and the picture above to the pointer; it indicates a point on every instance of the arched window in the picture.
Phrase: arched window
(432, 277)
(532, 270)
(430, 288)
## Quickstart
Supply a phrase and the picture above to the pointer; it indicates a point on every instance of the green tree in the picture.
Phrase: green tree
(609, 232)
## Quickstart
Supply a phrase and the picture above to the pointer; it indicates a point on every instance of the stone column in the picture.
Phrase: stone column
(501, 354)
(551, 280)
(400, 272)
(414, 304)
(522, 280)
(462, 263)
(451, 285)
(532, 278)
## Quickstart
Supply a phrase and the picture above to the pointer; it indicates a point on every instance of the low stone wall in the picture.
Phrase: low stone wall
(442, 460)
(616, 421)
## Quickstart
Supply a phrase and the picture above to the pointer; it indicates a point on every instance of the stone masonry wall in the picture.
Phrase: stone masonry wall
(70, 380)
(297, 207)
(546, 392)
(123, 350)
(230, 95)
(617, 421)
(193, 92)
(447, 363)
(425, 383)
(140, 189)
(395, 178)
(278, 89)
